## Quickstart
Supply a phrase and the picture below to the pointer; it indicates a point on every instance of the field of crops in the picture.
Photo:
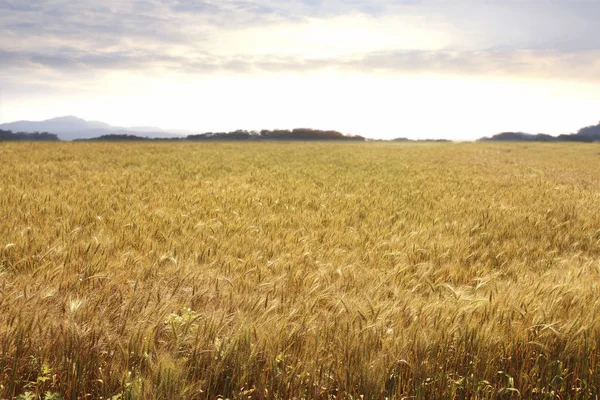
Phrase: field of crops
(299, 270)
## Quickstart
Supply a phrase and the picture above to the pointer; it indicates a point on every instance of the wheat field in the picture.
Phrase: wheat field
(299, 270)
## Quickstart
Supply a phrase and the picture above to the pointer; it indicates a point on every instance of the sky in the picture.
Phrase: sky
(420, 69)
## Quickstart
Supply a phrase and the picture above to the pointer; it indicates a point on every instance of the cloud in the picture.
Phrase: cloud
(503, 63)
(513, 38)
(575, 65)
(567, 25)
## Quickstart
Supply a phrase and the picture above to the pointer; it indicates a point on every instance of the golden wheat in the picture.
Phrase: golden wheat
(299, 270)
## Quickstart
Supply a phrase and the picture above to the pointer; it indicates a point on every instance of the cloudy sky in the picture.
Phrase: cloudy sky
(458, 69)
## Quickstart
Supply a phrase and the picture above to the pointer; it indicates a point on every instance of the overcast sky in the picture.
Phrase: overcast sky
(383, 68)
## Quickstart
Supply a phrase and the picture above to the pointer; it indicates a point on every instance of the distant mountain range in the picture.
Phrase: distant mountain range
(71, 128)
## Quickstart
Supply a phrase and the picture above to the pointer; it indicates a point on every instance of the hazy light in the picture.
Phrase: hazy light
(378, 106)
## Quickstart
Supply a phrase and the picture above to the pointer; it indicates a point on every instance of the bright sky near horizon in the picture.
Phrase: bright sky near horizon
(458, 69)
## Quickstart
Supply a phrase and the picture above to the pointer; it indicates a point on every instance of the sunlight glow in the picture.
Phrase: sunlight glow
(376, 106)
(338, 36)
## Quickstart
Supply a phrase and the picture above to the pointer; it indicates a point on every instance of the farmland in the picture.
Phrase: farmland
(299, 270)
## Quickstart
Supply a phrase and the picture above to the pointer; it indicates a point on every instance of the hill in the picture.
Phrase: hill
(71, 128)
(587, 134)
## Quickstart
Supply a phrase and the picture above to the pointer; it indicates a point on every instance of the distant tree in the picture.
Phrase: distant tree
(520, 137)
(590, 132)
(300, 134)
(115, 138)
(24, 136)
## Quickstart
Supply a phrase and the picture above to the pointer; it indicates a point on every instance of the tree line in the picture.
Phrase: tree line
(301, 134)
(24, 136)
(587, 135)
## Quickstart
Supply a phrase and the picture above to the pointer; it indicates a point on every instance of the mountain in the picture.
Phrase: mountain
(70, 128)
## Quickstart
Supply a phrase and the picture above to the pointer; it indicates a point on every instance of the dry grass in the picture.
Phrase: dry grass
(299, 270)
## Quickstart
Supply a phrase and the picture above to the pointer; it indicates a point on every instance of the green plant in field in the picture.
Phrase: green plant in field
(36, 388)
